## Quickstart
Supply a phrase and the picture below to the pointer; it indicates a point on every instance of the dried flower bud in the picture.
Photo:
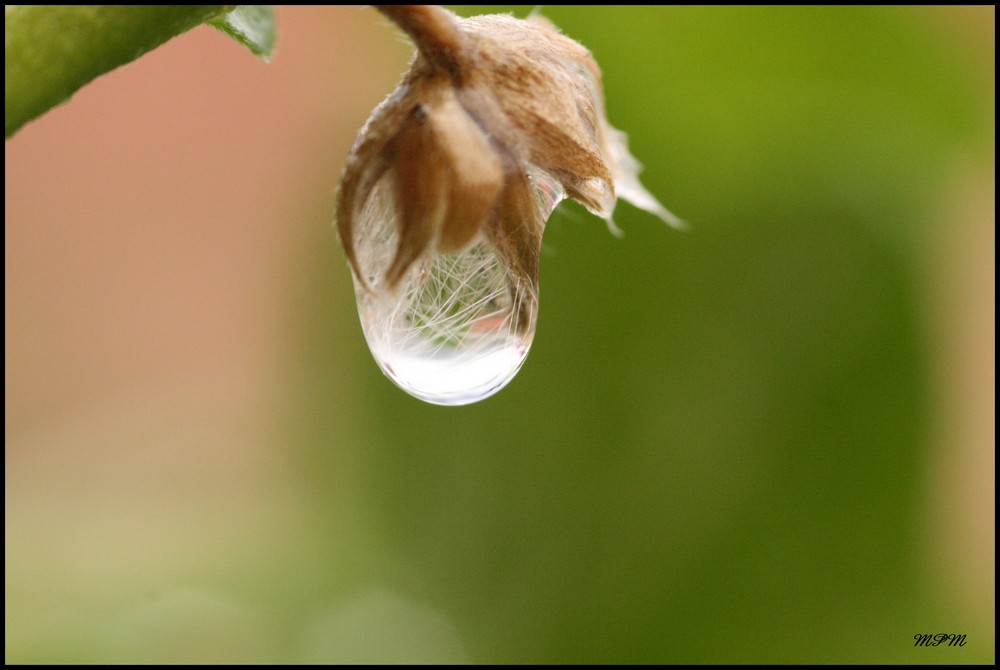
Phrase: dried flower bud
(447, 189)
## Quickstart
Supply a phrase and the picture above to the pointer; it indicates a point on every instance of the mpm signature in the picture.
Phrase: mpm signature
(937, 640)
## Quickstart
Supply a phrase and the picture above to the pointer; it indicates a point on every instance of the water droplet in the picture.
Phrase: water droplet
(458, 326)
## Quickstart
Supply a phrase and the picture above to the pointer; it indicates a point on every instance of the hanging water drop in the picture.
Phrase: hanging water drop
(458, 326)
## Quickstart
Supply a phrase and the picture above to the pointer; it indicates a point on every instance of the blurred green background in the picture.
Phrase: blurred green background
(769, 438)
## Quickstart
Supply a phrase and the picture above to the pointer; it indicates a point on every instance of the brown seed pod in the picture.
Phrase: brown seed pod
(487, 102)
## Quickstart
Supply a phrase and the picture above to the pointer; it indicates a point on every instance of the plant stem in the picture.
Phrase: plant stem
(51, 51)
(433, 30)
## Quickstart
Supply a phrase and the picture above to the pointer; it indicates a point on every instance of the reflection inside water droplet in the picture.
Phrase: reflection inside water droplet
(458, 326)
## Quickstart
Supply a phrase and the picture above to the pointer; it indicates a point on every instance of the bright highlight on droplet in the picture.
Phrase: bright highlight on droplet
(454, 375)
(458, 326)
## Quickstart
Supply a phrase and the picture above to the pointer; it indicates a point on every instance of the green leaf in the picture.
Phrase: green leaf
(251, 25)
(50, 51)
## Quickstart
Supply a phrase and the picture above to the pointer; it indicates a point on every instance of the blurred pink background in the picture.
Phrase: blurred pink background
(155, 227)
(166, 198)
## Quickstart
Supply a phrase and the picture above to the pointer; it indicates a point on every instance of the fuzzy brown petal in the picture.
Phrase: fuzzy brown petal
(475, 175)
(366, 165)
(516, 233)
(420, 176)
(548, 89)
